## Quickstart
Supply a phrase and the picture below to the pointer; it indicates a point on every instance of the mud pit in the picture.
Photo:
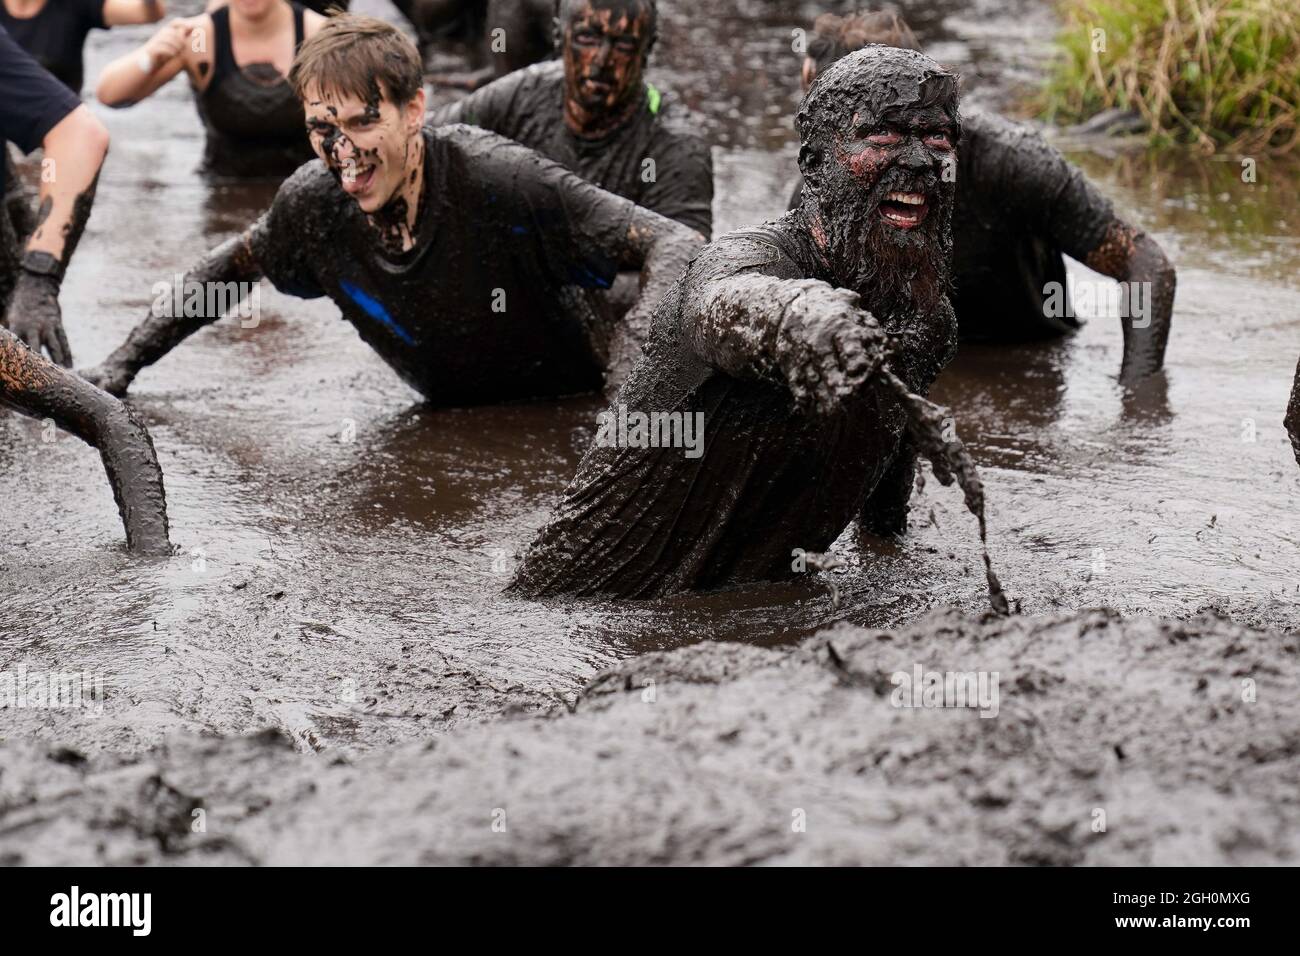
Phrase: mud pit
(725, 753)
(342, 555)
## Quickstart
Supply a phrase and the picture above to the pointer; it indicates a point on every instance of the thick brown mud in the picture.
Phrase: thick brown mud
(1103, 741)
(342, 555)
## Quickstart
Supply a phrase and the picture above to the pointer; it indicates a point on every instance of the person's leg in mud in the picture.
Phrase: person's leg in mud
(798, 344)
(33, 386)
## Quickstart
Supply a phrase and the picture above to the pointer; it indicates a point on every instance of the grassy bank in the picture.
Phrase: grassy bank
(1224, 74)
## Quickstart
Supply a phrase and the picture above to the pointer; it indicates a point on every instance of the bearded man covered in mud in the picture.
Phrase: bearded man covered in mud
(775, 343)
(454, 252)
(37, 110)
(593, 111)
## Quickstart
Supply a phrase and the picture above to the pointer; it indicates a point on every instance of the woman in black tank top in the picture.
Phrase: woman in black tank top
(237, 56)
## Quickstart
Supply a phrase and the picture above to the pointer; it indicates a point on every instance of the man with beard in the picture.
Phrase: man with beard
(37, 110)
(1021, 206)
(593, 112)
(454, 252)
(773, 342)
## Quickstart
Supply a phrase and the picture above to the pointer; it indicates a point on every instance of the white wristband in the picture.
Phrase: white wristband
(144, 60)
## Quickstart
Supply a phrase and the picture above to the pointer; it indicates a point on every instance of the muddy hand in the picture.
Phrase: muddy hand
(827, 358)
(34, 315)
(108, 376)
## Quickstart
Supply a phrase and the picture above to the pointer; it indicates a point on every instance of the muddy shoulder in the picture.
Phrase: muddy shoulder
(1114, 741)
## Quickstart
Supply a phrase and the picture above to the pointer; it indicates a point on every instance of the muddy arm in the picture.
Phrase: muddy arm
(35, 387)
(1293, 416)
(1130, 255)
(232, 261)
(660, 250)
(813, 338)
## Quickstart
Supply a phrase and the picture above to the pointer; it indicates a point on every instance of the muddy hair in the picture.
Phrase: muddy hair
(350, 53)
(836, 36)
(563, 8)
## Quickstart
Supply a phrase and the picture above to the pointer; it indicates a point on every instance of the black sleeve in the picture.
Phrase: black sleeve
(497, 106)
(1035, 182)
(579, 229)
(277, 239)
(683, 186)
(32, 101)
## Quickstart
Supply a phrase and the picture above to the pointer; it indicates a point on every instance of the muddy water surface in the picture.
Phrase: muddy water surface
(341, 550)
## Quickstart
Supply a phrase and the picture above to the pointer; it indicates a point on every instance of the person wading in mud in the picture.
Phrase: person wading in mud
(36, 110)
(1020, 207)
(237, 58)
(593, 111)
(776, 337)
(453, 251)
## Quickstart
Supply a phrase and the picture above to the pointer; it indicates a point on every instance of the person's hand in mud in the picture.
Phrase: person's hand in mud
(33, 315)
(110, 376)
(827, 358)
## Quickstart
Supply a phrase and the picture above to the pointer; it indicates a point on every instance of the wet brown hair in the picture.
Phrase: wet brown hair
(350, 53)
(837, 36)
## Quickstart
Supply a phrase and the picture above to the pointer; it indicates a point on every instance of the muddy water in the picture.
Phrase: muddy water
(341, 550)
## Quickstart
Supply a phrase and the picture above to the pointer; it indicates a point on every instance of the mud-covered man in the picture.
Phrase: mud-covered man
(453, 251)
(772, 341)
(1021, 206)
(37, 110)
(593, 111)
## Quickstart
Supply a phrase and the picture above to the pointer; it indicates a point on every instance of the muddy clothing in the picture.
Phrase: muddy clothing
(56, 36)
(1020, 206)
(528, 107)
(32, 102)
(646, 522)
(476, 310)
(254, 120)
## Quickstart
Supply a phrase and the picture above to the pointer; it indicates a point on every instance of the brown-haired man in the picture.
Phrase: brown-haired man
(456, 253)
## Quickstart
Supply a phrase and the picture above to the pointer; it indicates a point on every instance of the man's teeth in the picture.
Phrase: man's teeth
(911, 199)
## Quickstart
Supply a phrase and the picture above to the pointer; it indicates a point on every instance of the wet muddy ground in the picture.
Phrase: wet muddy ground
(342, 550)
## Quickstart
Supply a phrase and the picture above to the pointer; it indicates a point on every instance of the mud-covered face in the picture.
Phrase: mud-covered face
(369, 145)
(898, 160)
(604, 48)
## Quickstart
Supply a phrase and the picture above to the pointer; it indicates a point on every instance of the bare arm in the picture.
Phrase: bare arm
(124, 13)
(74, 151)
(232, 261)
(142, 72)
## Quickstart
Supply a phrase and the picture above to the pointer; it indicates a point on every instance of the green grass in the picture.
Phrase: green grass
(1224, 74)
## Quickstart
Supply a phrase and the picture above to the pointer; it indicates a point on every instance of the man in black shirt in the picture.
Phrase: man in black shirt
(457, 254)
(594, 112)
(755, 427)
(1020, 206)
(36, 110)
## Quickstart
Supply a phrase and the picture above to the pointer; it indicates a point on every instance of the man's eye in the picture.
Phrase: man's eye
(586, 38)
(626, 46)
(939, 139)
(882, 137)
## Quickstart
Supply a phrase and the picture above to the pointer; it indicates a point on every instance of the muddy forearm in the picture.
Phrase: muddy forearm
(1132, 257)
(40, 389)
(232, 261)
(75, 150)
(1293, 416)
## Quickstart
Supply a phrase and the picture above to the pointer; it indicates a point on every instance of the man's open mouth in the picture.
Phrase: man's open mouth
(904, 210)
(358, 179)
